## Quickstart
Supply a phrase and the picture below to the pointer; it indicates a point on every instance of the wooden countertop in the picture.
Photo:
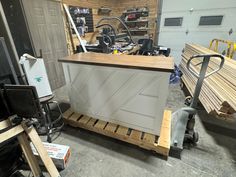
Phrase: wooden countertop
(155, 63)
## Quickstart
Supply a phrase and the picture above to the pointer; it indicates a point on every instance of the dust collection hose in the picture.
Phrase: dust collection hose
(116, 18)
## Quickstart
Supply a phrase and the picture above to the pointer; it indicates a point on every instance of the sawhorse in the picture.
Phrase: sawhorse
(23, 133)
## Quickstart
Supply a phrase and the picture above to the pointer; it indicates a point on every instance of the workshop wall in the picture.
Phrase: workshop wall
(152, 5)
(95, 5)
(117, 8)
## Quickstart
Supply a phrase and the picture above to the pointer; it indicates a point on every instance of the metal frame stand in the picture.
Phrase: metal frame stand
(49, 124)
(183, 129)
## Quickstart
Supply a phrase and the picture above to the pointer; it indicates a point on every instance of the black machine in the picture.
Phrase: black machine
(10, 151)
(147, 48)
(108, 37)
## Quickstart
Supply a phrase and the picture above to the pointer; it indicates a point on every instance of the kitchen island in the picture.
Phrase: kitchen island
(128, 90)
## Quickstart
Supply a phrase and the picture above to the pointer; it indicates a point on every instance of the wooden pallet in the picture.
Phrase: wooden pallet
(161, 144)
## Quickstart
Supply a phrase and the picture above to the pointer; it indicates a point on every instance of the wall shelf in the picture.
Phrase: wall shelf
(137, 21)
(136, 12)
(139, 25)
(134, 30)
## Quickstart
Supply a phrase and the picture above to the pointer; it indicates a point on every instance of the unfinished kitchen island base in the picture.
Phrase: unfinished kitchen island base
(127, 90)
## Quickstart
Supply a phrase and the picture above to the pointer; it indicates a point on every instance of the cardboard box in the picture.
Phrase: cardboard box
(59, 153)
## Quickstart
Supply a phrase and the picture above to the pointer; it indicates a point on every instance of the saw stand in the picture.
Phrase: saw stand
(184, 118)
(25, 131)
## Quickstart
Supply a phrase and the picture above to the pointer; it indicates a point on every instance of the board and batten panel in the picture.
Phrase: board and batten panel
(45, 23)
(129, 97)
(175, 37)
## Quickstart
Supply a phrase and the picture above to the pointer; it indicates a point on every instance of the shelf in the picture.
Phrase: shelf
(103, 11)
(135, 12)
(136, 21)
(134, 30)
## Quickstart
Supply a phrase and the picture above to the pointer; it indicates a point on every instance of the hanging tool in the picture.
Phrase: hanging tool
(183, 129)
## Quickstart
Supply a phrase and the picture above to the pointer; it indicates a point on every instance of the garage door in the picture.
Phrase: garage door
(190, 21)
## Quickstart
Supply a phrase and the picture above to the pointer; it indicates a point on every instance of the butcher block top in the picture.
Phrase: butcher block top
(155, 63)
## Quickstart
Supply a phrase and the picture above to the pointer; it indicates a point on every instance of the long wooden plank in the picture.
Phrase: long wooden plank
(47, 161)
(157, 63)
(164, 139)
(218, 94)
(30, 157)
(4, 124)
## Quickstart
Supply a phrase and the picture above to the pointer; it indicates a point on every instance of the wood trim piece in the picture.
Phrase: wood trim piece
(47, 161)
(11, 133)
(31, 159)
(4, 124)
(154, 63)
(164, 139)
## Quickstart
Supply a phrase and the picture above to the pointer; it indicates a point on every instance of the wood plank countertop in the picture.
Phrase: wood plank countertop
(154, 63)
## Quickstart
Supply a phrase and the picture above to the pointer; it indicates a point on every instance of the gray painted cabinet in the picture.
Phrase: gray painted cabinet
(45, 23)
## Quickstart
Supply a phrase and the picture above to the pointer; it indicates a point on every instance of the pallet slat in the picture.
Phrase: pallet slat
(68, 113)
(122, 130)
(149, 138)
(111, 127)
(74, 117)
(84, 120)
(100, 124)
(91, 122)
(136, 135)
(144, 140)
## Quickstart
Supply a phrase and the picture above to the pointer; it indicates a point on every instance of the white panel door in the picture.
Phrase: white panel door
(129, 97)
(46, 28)
(175, 37)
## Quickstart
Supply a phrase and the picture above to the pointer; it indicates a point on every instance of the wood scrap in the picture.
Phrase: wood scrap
(218, 94)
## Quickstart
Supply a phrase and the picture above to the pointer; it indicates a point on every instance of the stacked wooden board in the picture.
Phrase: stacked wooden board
(218, 94)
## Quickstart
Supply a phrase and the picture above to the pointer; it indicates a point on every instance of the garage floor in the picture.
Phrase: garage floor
(95, 155)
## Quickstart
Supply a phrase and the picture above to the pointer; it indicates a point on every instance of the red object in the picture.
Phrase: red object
(132, 17)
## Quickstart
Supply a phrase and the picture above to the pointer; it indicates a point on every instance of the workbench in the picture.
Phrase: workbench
(128, 90)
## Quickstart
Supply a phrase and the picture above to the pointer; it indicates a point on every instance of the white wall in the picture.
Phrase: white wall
(176, 37)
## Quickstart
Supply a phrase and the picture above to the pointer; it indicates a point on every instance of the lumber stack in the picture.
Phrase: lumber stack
(218, 94)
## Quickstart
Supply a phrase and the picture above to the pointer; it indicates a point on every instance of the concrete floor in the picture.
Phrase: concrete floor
(95, 155)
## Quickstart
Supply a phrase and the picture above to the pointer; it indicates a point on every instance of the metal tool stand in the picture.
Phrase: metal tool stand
(24, 132)
(183, 130)
(49, 124)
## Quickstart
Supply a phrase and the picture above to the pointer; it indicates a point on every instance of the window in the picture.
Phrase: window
(177, 21)
(210, 20)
